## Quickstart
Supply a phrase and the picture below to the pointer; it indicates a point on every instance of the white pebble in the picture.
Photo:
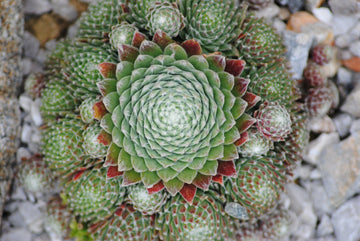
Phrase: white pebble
(25, 102)
(323, 14)
(17, 234)
(26, 133)
(355, 48)
(35, 112)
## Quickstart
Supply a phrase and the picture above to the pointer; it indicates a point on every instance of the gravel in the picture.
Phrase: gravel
(325, 197)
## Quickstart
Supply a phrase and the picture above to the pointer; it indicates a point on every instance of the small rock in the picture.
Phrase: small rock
(35, 112)
(236, 210)
(344, 7)
(268, 12)
(320, 199)
(298, 46)
(339, 164)
(344, 40)
(323, 14)
(343, 122)
(26, 64)
(342, 24)
(353, 63)
(278, 25)
(355, 48)
(32, 217)
(42, 56)
(17, 234)
(65, 10)
(31, 45)
(323, 124)
(284, 14)
(282, 2)
(320, 32)
(325, 226)
(315, 174)
(25, 103)
(46, 28)
(295, 5)
(346, 221)
(355, 31)
(17, 220)
(299, 19)
(36, 136)
(36, 7)
(302, 206)
(355, 126)
(22, 153)
(310, 5)
(18, 194)
(325, 238)
(303, 172)
(344, 77)
(26, 133)
(352, 103)
(51, 44)
(316, 146)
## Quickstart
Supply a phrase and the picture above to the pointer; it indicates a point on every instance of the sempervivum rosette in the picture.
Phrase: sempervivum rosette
(172, 114)
(214, 24)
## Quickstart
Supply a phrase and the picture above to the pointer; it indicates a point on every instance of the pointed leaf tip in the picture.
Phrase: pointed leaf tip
(137, 39)
(156, 188)
(201, 181)
(104, 138)
(127, 53)
(218, 179)
(162, 39)
(188, 192)
(235, 66)
(107, 70)
(99, 110)
(192, 47)
(226, 168)
(113, 172)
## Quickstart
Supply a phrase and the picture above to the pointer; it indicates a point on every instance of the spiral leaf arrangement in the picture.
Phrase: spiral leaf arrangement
(163, 126)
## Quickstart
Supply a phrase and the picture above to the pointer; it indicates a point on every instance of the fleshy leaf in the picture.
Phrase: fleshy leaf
(156, 188)
(188, 192)
(192, 47)
(130, 177)
(202, 181)
(235, 66)
(174, 186)
(226, 168)
(107, 70)
(113, 172)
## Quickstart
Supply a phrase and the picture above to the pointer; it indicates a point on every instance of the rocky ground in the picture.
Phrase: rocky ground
(324, 197)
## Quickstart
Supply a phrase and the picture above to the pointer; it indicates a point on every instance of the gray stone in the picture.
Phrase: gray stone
(344, 76)
(325, 226)
(279, 25)
(25, 102)
(343, 123)
(346, 221)
(17, 234)
(310, 5)
(355, 126)
(339, 164)
(35, 112)
(295, 5)
(26, 133)
(315, 147)
(302, 206)
(325, 238)
(26, 64)
(352, 103)
(268, 12)
(320, 199)
(322, 124)
(17, 220)
(342, 24)
(319, 32)
(344, 40)
(36, 7)
(323, 14)
(18, 194)
(33, 217)
(298, 46)
(315, 174)
(282, 2)
(65, 10)
(355, 31)
(355, 48)
(236, 210)
(344, 7)
(303, 172)
(31, 45)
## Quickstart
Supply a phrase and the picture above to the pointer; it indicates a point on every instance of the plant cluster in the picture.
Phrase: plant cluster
(171, 120)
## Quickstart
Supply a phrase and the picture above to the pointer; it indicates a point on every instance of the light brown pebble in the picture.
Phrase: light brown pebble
(300, 19)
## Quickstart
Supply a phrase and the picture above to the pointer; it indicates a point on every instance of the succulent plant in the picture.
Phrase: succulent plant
(322, 53)
(258, 4)
(160, 130)
(314, 75)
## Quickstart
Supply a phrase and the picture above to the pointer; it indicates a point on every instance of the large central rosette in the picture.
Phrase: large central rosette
(172, 115)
